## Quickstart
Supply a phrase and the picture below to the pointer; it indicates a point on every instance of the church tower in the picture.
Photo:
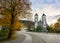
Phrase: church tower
(36, 20)
(44, 23)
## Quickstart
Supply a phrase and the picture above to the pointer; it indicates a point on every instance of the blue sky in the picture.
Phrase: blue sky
(44, 3)
(50, 7)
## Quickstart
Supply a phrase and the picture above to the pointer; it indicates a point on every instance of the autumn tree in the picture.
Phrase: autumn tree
(57, 25)
(11, 9)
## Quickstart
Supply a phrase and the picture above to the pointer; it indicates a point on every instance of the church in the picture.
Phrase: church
(42, 23)
(32, 25)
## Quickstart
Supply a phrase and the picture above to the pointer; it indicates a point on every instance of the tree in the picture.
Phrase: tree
(11, 9)
(38, 29)
(57, 25)
(50, 28)
(58, 20)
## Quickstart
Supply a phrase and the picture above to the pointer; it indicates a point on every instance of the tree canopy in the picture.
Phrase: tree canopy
(57, 25)
(11, 9)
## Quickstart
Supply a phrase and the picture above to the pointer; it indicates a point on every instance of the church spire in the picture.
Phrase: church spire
(44, 23)
(44, 14)
(36, 20)
(36, 14)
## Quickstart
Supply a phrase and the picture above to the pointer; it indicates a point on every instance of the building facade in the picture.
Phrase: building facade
(42, 23)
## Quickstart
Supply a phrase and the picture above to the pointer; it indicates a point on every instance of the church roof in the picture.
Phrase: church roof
(36, 14)
(44, 14)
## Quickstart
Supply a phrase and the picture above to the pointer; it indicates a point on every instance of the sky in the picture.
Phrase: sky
(51, 8)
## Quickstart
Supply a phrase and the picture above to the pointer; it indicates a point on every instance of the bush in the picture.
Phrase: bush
(50, 29)
(4, 33)
(38, 29)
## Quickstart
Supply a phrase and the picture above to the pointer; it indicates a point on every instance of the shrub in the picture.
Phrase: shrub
(4, 33)
(38, 29)
(50, 29)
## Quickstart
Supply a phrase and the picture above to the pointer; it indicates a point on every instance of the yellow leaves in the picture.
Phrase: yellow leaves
(17, 25)
(19, 8)
(56, 26)
(21, 26)
(10, 11)
(6, 19)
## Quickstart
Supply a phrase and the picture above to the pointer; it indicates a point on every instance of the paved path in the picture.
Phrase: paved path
(24, 37)
(33, 37)
(28, 39)
(21, 37)
(36, 39)
(48, 37)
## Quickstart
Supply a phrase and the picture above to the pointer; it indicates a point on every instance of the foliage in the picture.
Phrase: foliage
(4, 33)
(10, 10)
(50, 28)
(38, 29)
(57, 25)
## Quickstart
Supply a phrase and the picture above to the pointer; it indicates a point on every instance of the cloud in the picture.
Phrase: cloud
(50, 7)
(51, 13)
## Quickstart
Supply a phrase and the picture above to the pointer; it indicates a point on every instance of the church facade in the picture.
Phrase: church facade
(42, 23)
